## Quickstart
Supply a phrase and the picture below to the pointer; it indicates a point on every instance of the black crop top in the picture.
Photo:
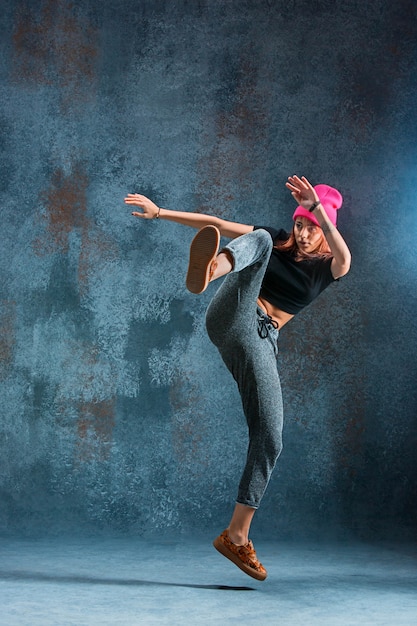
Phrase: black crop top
(291, 285)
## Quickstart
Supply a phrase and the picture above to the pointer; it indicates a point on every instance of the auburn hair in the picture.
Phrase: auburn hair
(290, 245)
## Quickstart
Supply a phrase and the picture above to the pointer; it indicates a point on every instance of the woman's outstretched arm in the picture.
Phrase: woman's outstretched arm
(150, 210)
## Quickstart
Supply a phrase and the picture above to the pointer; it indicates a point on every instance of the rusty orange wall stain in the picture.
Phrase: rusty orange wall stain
(95, 429)
(32, 47)
(228, 161)
(55, 46)
(66, 209)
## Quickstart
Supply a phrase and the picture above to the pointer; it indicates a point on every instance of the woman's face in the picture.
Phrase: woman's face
(308, 236)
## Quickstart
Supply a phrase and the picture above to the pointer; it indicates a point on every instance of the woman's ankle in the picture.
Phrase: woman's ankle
(222, 265)
(238, 538)
(239, 526)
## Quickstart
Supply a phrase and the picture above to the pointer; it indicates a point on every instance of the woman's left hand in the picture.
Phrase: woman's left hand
(302, 191)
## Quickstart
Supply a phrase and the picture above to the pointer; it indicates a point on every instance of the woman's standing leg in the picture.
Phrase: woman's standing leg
(233, 321)
(247, 342)
(252, 361)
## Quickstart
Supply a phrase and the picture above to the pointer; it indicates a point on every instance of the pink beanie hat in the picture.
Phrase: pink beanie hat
(331, 200)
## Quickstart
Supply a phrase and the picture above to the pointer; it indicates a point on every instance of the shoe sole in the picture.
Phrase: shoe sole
(203, 251)
(220, 547)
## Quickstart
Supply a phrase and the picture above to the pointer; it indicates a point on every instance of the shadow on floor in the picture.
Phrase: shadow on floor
(20, 576)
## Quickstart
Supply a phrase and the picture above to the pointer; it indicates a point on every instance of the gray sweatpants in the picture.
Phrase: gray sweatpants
(247, 343)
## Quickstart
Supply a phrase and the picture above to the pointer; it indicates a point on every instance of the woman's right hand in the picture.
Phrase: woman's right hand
(149, 209)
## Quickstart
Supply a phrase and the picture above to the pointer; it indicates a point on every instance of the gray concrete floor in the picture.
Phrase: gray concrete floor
(131, 581)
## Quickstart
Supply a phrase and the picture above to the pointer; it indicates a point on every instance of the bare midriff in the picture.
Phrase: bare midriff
(280, 317)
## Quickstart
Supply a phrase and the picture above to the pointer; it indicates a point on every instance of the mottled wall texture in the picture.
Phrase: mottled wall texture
(117, 414)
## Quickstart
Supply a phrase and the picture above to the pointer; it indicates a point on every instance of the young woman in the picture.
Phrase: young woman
(270, 276)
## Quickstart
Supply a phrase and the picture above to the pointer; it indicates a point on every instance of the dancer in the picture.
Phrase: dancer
(270, 275)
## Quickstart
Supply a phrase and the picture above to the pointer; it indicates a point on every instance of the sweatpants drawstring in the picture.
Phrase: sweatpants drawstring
(264, 323)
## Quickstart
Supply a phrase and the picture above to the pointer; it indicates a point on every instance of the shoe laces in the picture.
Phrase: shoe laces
(248, 554)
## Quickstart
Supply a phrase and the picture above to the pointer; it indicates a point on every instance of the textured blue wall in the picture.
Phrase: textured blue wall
(116, 412)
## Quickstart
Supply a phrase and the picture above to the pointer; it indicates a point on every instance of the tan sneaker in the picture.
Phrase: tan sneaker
(242, 556)
(203, 253)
